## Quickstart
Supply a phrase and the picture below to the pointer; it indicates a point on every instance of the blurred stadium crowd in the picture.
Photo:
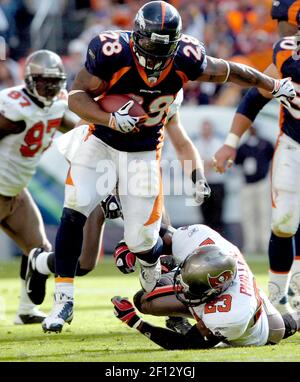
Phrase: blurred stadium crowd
(240, 30)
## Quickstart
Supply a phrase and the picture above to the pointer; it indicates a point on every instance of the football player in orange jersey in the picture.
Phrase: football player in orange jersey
(284, 271)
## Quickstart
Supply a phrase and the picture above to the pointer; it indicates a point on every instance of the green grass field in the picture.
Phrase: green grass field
(95, 334)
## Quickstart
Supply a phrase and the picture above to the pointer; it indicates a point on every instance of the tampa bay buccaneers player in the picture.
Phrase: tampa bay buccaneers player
(30, 114)
(151, 63)
(284, 270)
(214, 285)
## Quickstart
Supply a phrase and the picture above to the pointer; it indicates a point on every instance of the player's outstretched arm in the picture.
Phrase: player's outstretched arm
(219, 70)
(251, 104)
(198, 337)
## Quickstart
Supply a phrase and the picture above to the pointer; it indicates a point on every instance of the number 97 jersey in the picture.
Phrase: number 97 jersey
(20, 153)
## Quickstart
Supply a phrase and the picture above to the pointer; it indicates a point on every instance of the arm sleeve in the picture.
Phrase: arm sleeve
(252, 103)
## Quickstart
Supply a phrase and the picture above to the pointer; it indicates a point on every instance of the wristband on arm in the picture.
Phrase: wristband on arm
(232, 140)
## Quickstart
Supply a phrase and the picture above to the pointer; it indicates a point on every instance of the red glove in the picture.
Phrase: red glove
(125, 311)
(124, 259)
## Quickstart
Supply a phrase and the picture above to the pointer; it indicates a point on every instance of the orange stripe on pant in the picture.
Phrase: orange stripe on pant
(69, 180)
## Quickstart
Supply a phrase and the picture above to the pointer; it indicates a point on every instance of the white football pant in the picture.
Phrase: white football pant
(95, 170)
(286, 187)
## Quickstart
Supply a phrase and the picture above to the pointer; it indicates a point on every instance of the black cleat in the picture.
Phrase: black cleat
(35, 282)
(178, 324)
(34, 316)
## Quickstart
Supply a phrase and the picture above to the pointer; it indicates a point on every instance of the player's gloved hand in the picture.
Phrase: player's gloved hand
(121, 120)
(124, 259)
(111, 207)
(202, 191)
(125, 311)
(168, 263)
(284, 91)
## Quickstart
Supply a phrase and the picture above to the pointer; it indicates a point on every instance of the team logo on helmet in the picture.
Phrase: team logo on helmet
(218, 281)
(141, 20)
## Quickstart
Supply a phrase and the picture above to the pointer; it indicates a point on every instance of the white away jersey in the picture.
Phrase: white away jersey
(237, 314)
(20, 153)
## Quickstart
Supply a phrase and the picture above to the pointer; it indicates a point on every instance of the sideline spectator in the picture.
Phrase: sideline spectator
(254, 157)
(75, 59)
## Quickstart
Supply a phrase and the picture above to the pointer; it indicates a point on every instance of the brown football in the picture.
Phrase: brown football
(113, 102)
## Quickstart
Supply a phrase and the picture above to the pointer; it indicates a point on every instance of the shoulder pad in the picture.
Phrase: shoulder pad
(284, 49)
(11, 101)
(191, 57)
(286, 10)
(107, 53)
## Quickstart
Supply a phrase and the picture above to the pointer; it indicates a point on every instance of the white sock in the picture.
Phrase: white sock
(41, 263)
(25, 304)
(145, 264)
(281, 281)
(66, 288)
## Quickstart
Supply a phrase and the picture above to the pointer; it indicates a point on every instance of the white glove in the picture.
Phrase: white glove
(120, 120)
(284, 91)
(202, 191)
